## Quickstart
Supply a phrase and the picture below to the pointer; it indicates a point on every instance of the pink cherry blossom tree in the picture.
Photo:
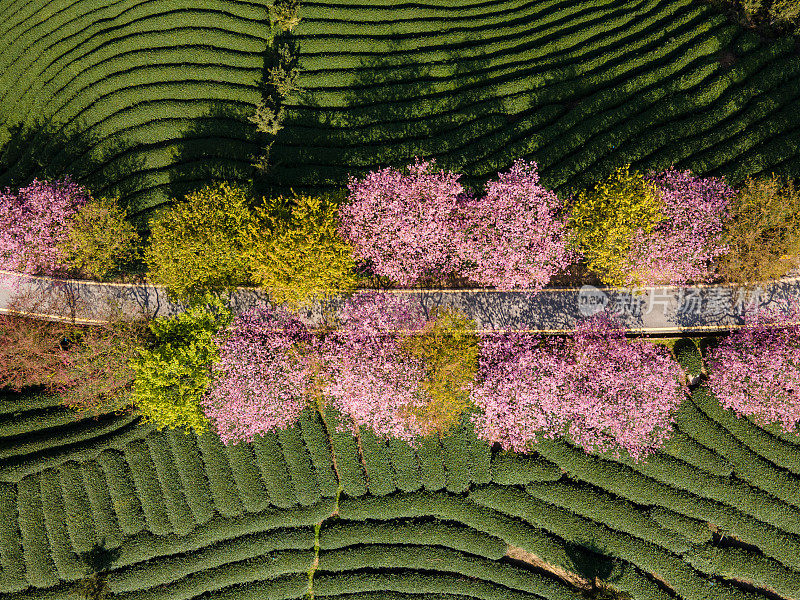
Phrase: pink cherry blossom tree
(32, 223)
(596, 388)
(515, 235)
(680, 249)
(755, 371)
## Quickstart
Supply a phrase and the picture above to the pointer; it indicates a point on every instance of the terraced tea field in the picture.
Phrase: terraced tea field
(149, 99)
(715, 514)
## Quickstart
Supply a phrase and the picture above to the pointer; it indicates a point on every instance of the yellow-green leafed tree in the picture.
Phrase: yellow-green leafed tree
(295, 253)
(763, 233)
(99, 240)
(604, 219)
(449, 349)
(196, 245)
(172, 376)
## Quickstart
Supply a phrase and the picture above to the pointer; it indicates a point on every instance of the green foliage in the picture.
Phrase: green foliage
(39, 567)
(105, 522)
(192, 474)
(196, 245)
(171, 378)
(99, 240)
(274, 470)
(298, 462)
(380, 479)
(284, 13)
(316, 440)
(692, 529)
(11, 552)
(449, 349)
(345, 449)
(180, 515)
(245, 472)
(688, 355)
(295, 252)
(148, 490)
(604, 219)
(763, 232)
(77, 512)
(220, 478)
(126, 503)
(405, 465)
(511, 468)
(456, 460)
(67, 563)
(431, 461)
(422, 533)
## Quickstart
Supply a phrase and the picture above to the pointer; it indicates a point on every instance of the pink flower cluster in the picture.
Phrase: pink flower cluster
(513, 235)
(369, 378)
(263, 376)
(755, 371)
(33, 221)
(424, 225)
(681, 248)
(603, 392)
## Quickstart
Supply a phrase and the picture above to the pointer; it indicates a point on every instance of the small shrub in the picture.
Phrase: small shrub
(267, 119)
(605, 219)
(171, 378)
(196, 245)
(764, 231)
(99, 239)
(285, 14)
(301, 259)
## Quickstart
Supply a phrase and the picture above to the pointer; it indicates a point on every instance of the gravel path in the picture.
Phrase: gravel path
(657, 310)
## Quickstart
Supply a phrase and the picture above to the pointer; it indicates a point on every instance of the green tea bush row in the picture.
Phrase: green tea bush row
(126, 503)
(694, 530)
(12, 403)
(220, 478)
(11, 554)
(294, 527)
(288, 587)
(431, 461)
(40, 570)
(105, 521)
(67, 563)
(731, 491)
(405, 465)
(687, 582)
(456, 457)
(479, 456)
(274, 471)
(628, 483)
(741, 564)
(168, 569)
(758, 471)
(191, 471)
(249, 572)
(414, 583)
(348, 462)
(682, 447)
(316, 440)
(604, 508)
(772, 448)
(13, 470)
(31, 421)
(380, 479)
(512, 468)
(687, 354)
(298, 461)
(426, 558)
(179, 514)
(77, 512)
(148, 490)
(449, 535)
(82, 431)
(248, 479)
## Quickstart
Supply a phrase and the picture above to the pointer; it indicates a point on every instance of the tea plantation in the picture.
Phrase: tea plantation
(149, 99)
(714, 515)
